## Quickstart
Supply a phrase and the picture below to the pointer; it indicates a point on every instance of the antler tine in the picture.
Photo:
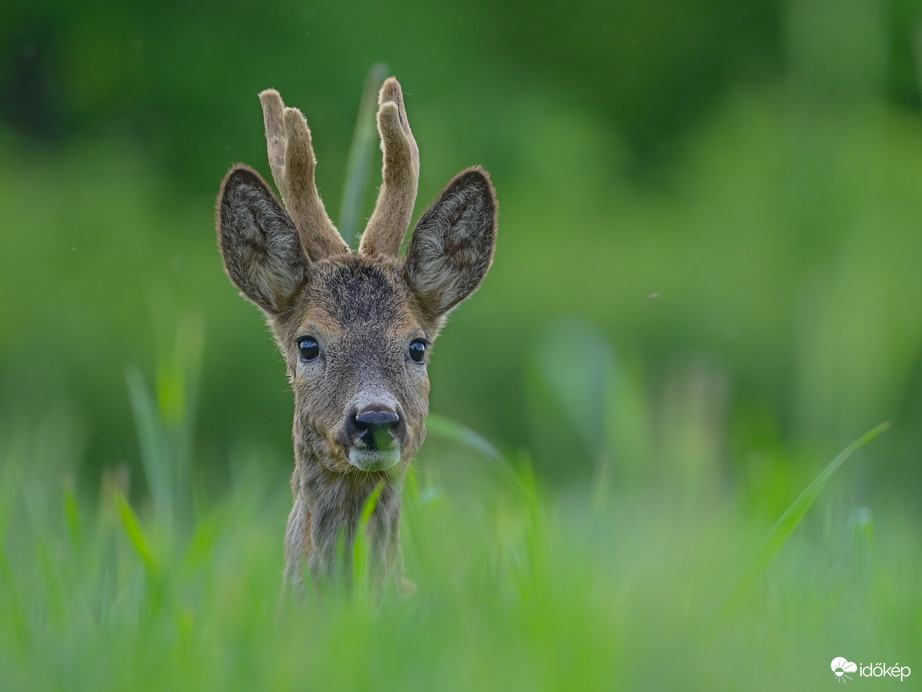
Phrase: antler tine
(391, 217)
(291, 158)
(276, 141)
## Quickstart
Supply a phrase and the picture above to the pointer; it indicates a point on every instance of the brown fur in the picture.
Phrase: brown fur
(363, 312)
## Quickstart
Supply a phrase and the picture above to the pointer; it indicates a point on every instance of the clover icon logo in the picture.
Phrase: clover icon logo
(840, 666)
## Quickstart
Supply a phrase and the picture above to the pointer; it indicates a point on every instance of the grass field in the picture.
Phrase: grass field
(518, 587)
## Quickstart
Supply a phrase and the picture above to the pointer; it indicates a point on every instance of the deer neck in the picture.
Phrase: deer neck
(325, 517)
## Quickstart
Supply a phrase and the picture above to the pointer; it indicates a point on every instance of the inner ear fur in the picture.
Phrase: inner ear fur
(258, 240)
(453, 243)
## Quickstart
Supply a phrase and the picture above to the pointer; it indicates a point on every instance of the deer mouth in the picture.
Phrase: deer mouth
(372, 459)
(375, 448)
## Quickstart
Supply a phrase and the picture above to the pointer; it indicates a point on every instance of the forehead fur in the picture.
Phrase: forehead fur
(352, 291)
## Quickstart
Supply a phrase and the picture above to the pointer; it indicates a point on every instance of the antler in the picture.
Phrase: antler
(391, 217)
(291, 158)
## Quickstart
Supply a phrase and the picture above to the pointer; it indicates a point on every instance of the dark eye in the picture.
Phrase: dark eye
(418, 350)
(308, 348)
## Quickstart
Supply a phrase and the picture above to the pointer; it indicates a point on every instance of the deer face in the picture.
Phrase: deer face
(355, 330)
(356, 347)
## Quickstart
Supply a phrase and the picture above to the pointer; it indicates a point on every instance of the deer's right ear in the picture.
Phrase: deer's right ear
(258, 240)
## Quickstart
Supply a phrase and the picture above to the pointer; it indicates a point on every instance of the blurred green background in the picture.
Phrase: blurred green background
(710, 224)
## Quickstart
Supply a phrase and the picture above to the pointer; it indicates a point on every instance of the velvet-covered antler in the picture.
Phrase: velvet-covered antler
(391, 217)
(291, 158)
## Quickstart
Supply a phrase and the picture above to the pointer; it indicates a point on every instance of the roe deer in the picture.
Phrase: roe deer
(355, 329)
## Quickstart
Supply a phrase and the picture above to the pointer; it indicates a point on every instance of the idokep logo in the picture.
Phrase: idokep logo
(841, 666)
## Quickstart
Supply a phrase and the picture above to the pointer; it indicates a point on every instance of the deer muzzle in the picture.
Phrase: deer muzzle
(377, 436)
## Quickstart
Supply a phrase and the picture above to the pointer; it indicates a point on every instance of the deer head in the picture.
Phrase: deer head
(355, 329)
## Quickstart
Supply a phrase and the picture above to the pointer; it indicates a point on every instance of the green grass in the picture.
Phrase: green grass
(672, 578)
(519, 586)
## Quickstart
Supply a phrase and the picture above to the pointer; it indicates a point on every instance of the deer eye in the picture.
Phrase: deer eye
(308, 348)
(418, 350)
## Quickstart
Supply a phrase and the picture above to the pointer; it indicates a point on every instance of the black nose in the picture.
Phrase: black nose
(377, 428)
(368, 420)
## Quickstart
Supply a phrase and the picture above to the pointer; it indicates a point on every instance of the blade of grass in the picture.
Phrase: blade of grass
(360, 151)
(153, 442)
(520, 476)
(136, 535)
(360, 549)
(72, 514)
(794, 514)
(447, 429)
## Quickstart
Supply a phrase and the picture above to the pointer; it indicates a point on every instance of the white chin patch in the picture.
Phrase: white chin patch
(373, 460)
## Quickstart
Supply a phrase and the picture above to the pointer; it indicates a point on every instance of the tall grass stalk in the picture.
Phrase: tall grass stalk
(164, 419)
(358, 165)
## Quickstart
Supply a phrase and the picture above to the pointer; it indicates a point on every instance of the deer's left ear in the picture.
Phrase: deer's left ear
(452, 245)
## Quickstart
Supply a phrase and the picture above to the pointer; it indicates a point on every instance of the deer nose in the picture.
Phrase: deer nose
(369, 420)
(377, 429)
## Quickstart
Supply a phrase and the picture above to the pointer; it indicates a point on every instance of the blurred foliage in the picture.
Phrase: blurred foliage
(710, 206)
